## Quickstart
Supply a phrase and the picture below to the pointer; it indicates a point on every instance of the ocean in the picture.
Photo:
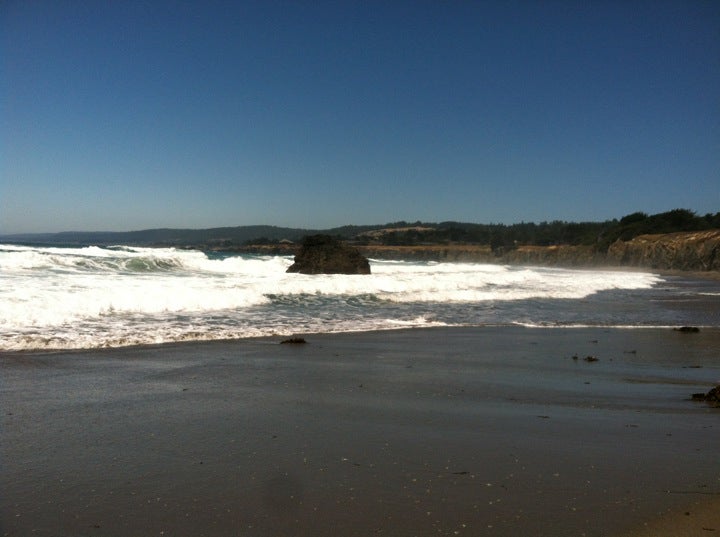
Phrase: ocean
(95, 297)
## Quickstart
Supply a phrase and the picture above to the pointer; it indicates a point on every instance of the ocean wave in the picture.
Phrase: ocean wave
(121, 295)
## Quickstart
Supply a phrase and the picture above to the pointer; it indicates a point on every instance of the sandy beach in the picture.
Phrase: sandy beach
(498, 431)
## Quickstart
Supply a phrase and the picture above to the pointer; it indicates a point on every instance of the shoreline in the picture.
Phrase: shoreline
(468, 431)
(376, 332)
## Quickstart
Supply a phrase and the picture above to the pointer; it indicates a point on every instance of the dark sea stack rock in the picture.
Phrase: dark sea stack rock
(323, 254)
(687, 329)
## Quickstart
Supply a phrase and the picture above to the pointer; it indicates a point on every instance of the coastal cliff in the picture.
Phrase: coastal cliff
(688, 251)
(455, 253)
(565, 255)
(697, 251)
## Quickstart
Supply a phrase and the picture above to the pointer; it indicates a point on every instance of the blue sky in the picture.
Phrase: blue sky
(125, 115)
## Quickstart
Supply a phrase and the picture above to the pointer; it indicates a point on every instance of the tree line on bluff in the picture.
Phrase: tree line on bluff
(501, 237)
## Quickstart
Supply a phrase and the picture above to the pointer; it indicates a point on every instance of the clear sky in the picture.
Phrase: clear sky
(124, 115)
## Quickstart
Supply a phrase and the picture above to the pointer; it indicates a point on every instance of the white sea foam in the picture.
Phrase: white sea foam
(87, 297)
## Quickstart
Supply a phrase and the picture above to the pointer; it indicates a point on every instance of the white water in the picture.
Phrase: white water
(90, 297)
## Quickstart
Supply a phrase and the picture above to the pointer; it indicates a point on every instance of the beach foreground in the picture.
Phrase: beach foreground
(494, 431)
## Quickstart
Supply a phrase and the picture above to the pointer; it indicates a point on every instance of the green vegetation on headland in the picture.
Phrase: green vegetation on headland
(668, 240)
(600, 235)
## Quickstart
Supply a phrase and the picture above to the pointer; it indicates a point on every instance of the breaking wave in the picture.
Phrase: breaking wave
(107, 296)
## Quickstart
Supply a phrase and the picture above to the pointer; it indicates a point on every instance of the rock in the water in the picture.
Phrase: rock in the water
(322, 254)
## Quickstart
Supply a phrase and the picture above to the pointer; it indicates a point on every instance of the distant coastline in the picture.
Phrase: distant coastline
(687, 252)
(675, 240)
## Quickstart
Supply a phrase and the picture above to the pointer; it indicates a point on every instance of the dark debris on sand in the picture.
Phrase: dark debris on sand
(712, 397)
(588, 358)
(294, 341)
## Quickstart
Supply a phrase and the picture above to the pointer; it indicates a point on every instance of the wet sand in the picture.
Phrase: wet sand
(482, 431)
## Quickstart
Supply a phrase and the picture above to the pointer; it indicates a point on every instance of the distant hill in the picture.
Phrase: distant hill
(500, 238)
(163, 237)
(228, 236)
